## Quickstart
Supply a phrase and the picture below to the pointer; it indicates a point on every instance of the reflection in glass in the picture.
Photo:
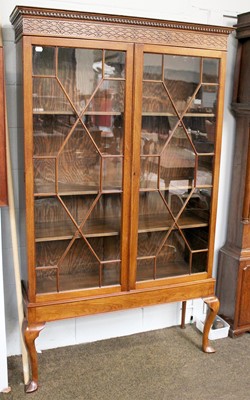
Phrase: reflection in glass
(200, 119)
(178, 160)
(106, 131)
(50, 131)
(112, 173)
(156, 100)
(155, 132)
(197, 209)
(210, 70)
(153, 213)
(181, 76)
(205, 170)
(177, 197)
(51, 220)
(79, 71)
(79, 163)
(43, 58)
(48, 96)
(105, 218)
(109, 98)
(44, 176)
(152, 66)
(149, 172)
(114, 66)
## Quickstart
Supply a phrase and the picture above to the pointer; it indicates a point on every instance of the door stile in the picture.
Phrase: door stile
(127, 167)
(137, 111)
(28, 160)
(217, 155)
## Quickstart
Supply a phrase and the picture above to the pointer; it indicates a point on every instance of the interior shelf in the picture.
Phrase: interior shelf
(65, 230)
(157, 223)
(57, 112)
(101, 227)
(163, 114)
(163, 270)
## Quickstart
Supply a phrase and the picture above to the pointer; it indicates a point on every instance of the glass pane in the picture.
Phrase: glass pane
(46, 280)
(106, 131)
(43, 60)
(178, 160)
(197, 238)
(149, 172)
(106, 248)
(111, 274)
(177, 197)
(156, 100)
(105, 218)
(79, 164)
(173, 258)
(152, 66)
(79, 71)
(153, 213)
(145, 269)
(78, 206)
(181, 76)
(197, 209)
(114, 64)
(79, 269)
(49, 253)
(210, 70)
(112, 173)
(199, 262)
(200, 119)
(109, 98)
(205, 170)
(44, 176)
(51, 220)
(155, 132)
(50, 132)
(148, 243)
(205, 101)
(49, 97)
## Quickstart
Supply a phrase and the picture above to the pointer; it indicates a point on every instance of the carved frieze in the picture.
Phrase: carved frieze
(104, 27)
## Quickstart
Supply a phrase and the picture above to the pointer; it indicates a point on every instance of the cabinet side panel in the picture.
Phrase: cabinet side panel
(28, 162)
(20, 156)
(3, 169)
(227, 284)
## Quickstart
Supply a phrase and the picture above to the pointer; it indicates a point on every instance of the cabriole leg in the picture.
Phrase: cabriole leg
(213, 304)
(30, 333)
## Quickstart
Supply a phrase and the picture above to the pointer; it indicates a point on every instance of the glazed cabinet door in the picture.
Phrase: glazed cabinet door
(78, 144)
(177, 100)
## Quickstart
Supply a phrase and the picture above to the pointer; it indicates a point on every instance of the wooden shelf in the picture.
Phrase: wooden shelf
(77, 281)
(157, 223)
(57, 112)
(65, 230)
(103, 227)
(164, 114)
(163, 270)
